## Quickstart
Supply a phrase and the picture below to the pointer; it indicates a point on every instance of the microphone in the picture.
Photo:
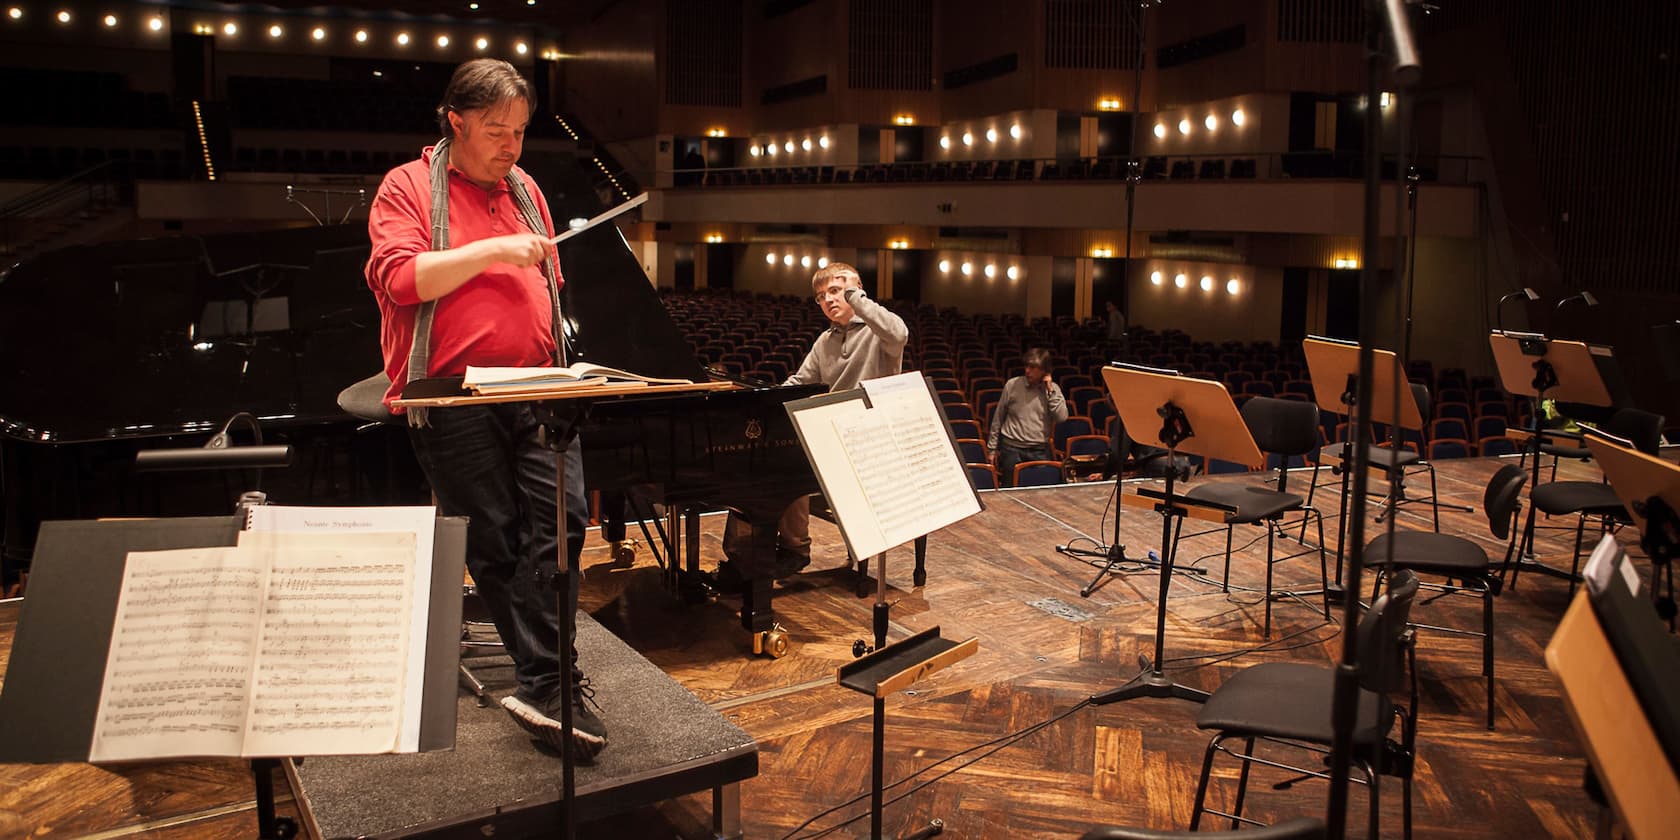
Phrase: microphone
(1499, 308)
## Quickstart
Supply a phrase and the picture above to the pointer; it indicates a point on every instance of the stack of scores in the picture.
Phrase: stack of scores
(519, 380)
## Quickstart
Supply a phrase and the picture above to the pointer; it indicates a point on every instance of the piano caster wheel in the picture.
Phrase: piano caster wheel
(919, 577)
(624, 552)
(772, 642)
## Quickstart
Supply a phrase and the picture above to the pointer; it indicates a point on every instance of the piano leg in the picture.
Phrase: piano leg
(757, 617)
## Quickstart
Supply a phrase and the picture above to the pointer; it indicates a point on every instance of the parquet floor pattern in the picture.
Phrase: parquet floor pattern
(1043, 651)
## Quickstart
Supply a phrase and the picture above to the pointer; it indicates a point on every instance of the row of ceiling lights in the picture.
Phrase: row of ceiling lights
(967, 138)
(155, 23)
(967, 268)
(1182, 281)
(1210, 122)
(787, 260)
(770, 148)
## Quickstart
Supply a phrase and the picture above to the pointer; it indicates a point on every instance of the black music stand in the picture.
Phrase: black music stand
(1333, 367)
(1534, 366)
(1197, 417)
(1650, 490)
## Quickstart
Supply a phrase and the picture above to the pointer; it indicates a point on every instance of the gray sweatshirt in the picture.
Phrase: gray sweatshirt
(1026, 415)
(869, 347)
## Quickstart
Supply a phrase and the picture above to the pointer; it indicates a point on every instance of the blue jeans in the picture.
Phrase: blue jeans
(486, 463)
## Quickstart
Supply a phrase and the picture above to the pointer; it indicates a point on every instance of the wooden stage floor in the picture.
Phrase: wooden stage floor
(1043, 650)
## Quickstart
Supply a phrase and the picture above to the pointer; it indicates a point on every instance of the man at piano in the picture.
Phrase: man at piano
(865, 341)
(464, 274)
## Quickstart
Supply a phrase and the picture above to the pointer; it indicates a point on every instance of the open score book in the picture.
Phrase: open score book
(514, 380)
(289, 643)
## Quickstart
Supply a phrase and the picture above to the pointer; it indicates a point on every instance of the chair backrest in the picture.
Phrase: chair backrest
(1284, 427)
(983, 476)
(1420, 392)
(1092, 444)
(1038, 473)
(1383, 633)
(1495, 445)
(1641, 428)
(1500, 499)
(973, 451)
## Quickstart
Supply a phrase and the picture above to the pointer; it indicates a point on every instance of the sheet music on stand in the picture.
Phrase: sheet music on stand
(886, 461)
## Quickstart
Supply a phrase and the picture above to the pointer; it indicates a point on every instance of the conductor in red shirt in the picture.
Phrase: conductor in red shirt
(465, 275)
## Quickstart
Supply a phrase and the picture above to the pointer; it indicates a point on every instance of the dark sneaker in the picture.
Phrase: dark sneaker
(542, 720)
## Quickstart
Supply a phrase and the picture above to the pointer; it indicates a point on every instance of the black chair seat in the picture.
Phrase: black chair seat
(1590, 497)
(365, 400)
(1253, 504)
(1382, 456)
(1247, 705)
(1427, 551)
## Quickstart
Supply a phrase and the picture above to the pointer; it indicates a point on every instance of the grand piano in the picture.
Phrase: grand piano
(131, 345)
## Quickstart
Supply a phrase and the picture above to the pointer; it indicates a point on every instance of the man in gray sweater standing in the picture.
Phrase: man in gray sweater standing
(865, 340)
(1026, 415)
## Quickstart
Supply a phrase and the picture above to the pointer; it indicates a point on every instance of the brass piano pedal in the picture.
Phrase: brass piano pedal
(624, 551)
(772, 642)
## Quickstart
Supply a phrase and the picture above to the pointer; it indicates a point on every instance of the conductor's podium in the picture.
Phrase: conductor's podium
(663, 742)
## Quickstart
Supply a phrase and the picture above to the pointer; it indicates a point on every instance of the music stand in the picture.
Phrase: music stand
(1333, 367)
(1196, 416)
(1536, 367)
(1650, 490)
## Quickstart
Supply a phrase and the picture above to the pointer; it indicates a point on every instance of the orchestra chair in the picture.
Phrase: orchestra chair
(365, 401)
(1300, 828)
(1288, 428)
(1459, 559)
(1590, 499)
(983, 476)
(1287, 704)
(1038, 473)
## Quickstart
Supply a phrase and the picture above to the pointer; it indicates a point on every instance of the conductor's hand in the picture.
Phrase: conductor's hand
(517, 249)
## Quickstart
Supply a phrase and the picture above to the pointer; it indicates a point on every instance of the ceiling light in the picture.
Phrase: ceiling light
(968, 269)
(521, 48)
(230, 28)
(788, 147)
(968, 139)
(275, 31)
(1160, 130)
(770, 258)
(318, 34)
(1387, 99)
(823, 141)
(63, 17)
(805, 144)
(770, 148)
(752, 150)
(473, 6)
(402, 39)
(945, 142)
(991, 135)
(714, 238)
(1211, 121)
(788, 260)
(1013, 273)
(110, 20)
(1231, 286)
(530, 2)
(944, 266)
(1237, 118)
(482, 44)
(1181, 281)
(442, 41)
(1184, 126)
(1155, 277)
(361, 36)
(991, 271)
(822, 262)
(14, 13)
(1207, 283)
(155, 24)
(1015, 131)
(805, 261)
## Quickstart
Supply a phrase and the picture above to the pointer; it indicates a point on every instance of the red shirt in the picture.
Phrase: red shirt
(500, 317)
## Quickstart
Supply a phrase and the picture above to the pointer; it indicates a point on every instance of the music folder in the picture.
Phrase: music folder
(51, 697)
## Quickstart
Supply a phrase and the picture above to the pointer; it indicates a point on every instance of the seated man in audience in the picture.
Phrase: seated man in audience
(865, 340)
(1026, 414)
